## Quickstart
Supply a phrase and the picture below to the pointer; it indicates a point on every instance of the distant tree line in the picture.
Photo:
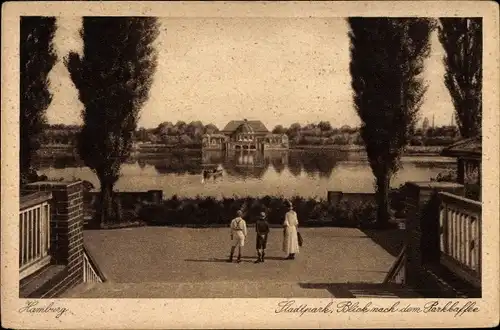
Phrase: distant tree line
(323, 133)
(59, 134)
(435, 136)
(190, 134)
(180, 133)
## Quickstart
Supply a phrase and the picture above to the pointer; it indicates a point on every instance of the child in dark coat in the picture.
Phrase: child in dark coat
(262, 229)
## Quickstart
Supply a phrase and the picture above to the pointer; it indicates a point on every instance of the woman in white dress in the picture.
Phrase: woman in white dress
(290, 237)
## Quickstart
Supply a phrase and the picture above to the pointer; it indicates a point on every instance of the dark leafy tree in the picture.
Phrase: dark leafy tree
(294, 128)
(37, 57)
(210, 129)
(279, 129)
(462, 40)
(387, 61)
(113, 78)
(325, 126)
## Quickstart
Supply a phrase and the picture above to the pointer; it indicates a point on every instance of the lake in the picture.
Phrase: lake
(285, 173)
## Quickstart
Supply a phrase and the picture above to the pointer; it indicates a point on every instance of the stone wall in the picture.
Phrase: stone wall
(150, 196)
(335, 197)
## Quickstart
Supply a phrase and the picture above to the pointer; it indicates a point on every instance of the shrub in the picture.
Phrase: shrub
(209, 211)
(473, 191)
(438, 141)
(446, 176)
(416, 141)
(355, 214)
(397, 199)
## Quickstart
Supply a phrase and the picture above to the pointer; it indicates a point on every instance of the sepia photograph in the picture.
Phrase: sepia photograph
(332, 157)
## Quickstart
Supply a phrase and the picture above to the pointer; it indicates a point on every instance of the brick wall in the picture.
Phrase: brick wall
(66, 226)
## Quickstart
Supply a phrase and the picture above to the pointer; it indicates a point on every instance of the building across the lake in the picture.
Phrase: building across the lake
(468, 153)
(245, 135)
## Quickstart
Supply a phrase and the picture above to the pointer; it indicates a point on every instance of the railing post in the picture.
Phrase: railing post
(47, 226)
(464, 255)
(444, 225)
(466, 240)
(480, 248)
(65, 224)
(32, 234)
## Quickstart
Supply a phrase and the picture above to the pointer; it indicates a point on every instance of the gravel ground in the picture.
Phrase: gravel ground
(186, 255)
(161, 262)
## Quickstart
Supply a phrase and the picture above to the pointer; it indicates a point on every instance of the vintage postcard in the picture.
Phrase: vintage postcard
(250, 164)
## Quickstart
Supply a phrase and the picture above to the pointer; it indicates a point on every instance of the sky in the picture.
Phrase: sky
(277, 70)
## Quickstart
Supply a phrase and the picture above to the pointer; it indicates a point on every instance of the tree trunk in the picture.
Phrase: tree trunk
(382, 196)
(106, 207)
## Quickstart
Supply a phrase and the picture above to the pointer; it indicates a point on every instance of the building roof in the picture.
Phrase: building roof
(216, 135)
(464, 148)
(245, 128)
(256, 125)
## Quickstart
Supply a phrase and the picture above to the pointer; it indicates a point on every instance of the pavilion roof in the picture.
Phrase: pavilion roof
(471, 147)
(256, 125)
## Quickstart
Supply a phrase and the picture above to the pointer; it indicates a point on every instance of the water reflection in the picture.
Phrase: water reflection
(240, 164)
(249, 173)
(244, 164)
(58, 162)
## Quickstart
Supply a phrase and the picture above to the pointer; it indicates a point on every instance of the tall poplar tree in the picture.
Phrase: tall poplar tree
(37, 58)
(113, 77)
(462, 40)
(387, 61)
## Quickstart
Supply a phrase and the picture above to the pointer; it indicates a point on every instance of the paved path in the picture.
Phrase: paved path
(184, 262)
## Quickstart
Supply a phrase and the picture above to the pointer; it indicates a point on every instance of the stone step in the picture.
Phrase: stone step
(447, 284)
(42, 281)
(78, 290)
(239, 289)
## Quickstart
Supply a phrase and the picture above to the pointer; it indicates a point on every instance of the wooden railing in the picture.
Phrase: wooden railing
(34, 233)
(91, 272)
(460, 237)
(397, 273)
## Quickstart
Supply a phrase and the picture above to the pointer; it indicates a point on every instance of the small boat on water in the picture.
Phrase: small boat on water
(208, 174)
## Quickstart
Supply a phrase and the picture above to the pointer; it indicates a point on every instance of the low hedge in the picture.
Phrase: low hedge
(202, 212)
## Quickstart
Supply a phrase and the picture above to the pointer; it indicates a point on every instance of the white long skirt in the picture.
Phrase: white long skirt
(290, 240)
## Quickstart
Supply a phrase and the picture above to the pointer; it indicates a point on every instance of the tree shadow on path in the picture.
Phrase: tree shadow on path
(391, 240)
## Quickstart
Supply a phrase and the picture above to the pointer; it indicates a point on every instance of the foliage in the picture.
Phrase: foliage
(189, 136)
(113, 78)
(37, 57)
(59, 134)
(179, 133)
(446, 176)
(462, 42)
(473, 191)
(432, 141)
(279, 129)
(387, 61)
(208, 211)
